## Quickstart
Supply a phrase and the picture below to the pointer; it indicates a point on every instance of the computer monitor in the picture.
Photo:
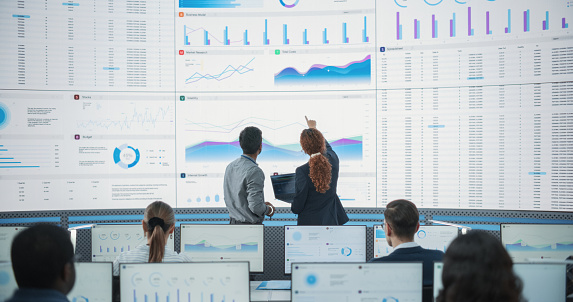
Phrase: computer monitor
(389, 282)
(312, 244)
(199, 281)
(542, 281)
(438, 285)
(433, 237)
(528, 242)
(93, 282)
(212, 242)
(7, 234)
(7, 281)
(110, 240)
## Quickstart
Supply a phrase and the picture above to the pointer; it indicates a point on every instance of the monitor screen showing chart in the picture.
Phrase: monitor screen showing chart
(542, 281)
(311, 244)
(357, 282)
(438, 285)
(529, 242)
(224, 243)
(7, 281)
(93, 282)
(222, 281)
(110, 240)
(434, 237)
(7, 234)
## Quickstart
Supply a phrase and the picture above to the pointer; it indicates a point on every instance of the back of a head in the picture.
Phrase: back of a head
(478, 268)
(250, 140)
(158, 217)
(403, 217)
(39, 255)
(313, 144)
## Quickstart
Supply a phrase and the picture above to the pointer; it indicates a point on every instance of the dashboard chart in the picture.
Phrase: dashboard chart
(450, 104)
(224, 282)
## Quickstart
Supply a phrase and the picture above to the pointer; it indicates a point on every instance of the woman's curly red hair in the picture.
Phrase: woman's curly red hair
(313, 142)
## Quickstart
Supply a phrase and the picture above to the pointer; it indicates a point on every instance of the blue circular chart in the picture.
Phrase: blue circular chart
(4, 116)
(422, 234)
(126, 156)
(4, 278)
(287, 5)
(311, 279)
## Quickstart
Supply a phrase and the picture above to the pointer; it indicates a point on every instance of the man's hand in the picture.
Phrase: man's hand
(311, 123)
(272, 212)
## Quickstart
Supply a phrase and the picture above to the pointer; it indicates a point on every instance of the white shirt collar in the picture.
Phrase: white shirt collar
(406, 245)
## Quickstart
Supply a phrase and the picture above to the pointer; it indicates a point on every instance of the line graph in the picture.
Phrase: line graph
(355, 72)
(229, 71)
(135, 118)
(262, 123)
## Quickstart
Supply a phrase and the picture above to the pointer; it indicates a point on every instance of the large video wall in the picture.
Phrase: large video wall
(109, 104)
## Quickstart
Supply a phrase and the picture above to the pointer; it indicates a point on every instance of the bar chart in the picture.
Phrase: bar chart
(417, 21)
(221, 32)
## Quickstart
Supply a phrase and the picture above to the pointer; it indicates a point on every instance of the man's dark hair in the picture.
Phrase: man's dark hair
(251, 139)
(39, 255)
(402, 216)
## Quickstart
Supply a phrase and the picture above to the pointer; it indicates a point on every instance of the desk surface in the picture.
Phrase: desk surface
(268, 295)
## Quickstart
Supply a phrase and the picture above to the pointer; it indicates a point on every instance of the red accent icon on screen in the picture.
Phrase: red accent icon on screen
(181, 52)
(76, 96)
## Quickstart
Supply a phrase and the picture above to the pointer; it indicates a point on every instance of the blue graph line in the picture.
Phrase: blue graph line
(129, 121)
(229, 71)
(228, 128)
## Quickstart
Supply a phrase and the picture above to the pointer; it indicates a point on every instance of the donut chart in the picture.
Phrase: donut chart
(4, 116)
(126, 156)
(283, 3)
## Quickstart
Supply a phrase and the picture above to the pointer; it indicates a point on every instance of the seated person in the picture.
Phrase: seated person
(43, 264)
(158, 223)
(401, 222)
(478, 268)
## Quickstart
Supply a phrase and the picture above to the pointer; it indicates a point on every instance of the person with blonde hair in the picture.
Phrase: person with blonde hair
(315, 200)
(158, 224)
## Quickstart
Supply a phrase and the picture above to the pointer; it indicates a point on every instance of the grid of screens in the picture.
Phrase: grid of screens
(109, 240)
(7, 234)
(324, 244)
(357, 282)
(434, 237)
(541, 282)
(533, 241)
(224, 243)
(225, 281)
(93, 283)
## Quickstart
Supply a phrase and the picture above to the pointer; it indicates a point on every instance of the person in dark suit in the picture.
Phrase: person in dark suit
(401, 222)
(315, 200)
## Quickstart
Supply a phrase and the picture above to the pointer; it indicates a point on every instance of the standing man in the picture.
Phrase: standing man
(43, 264)
(401, 222)
(244, 182)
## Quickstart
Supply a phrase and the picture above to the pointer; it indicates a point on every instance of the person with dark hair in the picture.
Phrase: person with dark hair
(158, 224)
(315, 200)
(244, 182)
(43, 264)
(401, 222)
(477, 268)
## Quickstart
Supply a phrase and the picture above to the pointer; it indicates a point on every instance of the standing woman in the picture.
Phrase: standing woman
(315, 200)
(158, 224)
